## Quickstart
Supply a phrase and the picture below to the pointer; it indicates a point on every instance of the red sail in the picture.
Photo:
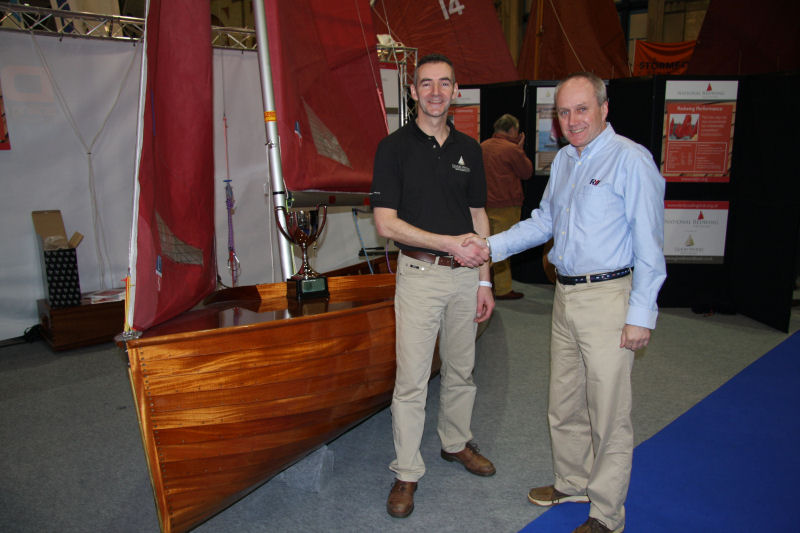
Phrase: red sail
(739, 38)
(326, 81)
(175, 264)
(575, 35)
(466, 31)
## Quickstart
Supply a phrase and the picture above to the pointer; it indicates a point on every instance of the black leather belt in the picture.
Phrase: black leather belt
(594, 278)
(443, 260)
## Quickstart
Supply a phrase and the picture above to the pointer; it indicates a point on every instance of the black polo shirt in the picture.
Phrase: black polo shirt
(431, 187)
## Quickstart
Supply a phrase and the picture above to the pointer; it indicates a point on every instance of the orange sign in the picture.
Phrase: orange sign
(652, 58)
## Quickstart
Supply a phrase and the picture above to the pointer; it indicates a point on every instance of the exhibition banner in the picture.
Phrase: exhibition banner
(694, 231)
(699, 117)
(652, 58)
(548, 131)
(465, 112)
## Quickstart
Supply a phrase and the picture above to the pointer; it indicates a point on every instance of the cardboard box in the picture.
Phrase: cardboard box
(59, 259)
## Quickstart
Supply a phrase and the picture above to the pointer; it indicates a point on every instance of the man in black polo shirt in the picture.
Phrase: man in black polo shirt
(429, 193)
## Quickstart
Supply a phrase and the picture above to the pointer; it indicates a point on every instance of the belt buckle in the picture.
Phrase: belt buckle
(451, 259)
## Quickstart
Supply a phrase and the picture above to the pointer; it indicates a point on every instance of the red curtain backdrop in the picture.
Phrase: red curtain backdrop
(466, 31)
(576, 35)
(176, 171)
(653, 58)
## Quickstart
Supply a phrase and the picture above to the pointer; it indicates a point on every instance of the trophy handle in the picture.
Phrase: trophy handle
(321, 226)
(278, 222)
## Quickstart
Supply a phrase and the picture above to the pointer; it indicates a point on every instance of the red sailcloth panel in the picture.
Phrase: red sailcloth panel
(326, 80)
(175, 265)
(576, 35)
(466, 31)
(739, 38)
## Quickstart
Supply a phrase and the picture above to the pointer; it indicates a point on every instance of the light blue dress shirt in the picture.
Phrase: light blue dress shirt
(604, 210)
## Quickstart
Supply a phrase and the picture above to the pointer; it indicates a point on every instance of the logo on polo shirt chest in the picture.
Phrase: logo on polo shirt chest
(461, 166)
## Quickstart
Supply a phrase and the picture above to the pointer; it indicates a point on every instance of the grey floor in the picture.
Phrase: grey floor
(72, 459)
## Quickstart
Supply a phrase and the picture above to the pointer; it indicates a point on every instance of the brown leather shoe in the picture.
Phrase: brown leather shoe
(549, 496)
(593, 525)
(401, 498)
(472, 460)
(511, 295)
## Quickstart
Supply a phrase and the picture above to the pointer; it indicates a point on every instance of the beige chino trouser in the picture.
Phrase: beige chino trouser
(430, 300)
(590, 396)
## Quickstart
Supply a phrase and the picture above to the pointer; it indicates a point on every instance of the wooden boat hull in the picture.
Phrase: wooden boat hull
(230, 395)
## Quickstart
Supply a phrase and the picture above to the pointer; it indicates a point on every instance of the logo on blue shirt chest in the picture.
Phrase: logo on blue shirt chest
(594, 182)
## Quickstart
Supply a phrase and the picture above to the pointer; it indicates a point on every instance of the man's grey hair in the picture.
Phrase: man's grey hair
(505, 123)
(598, 85)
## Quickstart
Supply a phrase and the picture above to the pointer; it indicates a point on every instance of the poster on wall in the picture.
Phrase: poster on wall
(694, 231)
(5, 141)
(465, 112)
(548, 131)
(699, 117)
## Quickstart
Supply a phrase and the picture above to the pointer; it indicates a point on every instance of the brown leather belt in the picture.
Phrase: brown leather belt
(443, 260)
(594, 278)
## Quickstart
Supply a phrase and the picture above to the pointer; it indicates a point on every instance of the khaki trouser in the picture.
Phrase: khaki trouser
(500, 219)
(590, 396)
(431, 300)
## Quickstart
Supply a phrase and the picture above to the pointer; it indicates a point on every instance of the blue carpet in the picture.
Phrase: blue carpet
(730, 463)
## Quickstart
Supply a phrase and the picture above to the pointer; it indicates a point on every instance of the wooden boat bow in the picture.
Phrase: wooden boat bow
(231, 394)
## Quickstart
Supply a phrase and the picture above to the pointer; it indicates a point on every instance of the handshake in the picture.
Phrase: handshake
(470, 250)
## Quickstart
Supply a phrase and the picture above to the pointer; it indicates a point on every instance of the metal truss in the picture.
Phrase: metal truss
(405, 59)
(17, 17)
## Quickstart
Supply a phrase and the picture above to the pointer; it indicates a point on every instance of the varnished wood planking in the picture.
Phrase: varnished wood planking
(224, 409)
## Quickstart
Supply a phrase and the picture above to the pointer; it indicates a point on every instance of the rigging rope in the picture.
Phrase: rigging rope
(100, 241)
(378, 86)
(564, 33)
(233, 260)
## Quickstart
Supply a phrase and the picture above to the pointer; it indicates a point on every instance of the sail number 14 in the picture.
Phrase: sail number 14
(454, 8)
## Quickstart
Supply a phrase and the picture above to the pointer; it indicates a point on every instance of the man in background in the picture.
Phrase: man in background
(506, 166)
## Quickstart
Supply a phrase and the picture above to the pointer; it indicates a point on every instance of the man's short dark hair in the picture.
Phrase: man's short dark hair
(434, 58)
(598, 85)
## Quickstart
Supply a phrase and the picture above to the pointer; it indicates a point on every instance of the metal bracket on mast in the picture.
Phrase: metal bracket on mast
(276, 182)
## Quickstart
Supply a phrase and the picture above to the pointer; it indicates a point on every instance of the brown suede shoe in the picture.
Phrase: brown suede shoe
(511, 295)
(593, 525)
(472, 460)
(549, 496)
(401, 498)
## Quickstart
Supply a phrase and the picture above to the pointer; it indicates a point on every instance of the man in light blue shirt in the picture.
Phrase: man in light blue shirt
(604, 209)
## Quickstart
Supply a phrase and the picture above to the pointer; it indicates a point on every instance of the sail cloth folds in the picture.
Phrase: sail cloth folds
(326, 79)
(740, 38)
(175, 264)
(466, 31)
(576, 35)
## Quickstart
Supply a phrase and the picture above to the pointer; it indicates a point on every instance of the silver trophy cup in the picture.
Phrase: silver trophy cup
(303, 227)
